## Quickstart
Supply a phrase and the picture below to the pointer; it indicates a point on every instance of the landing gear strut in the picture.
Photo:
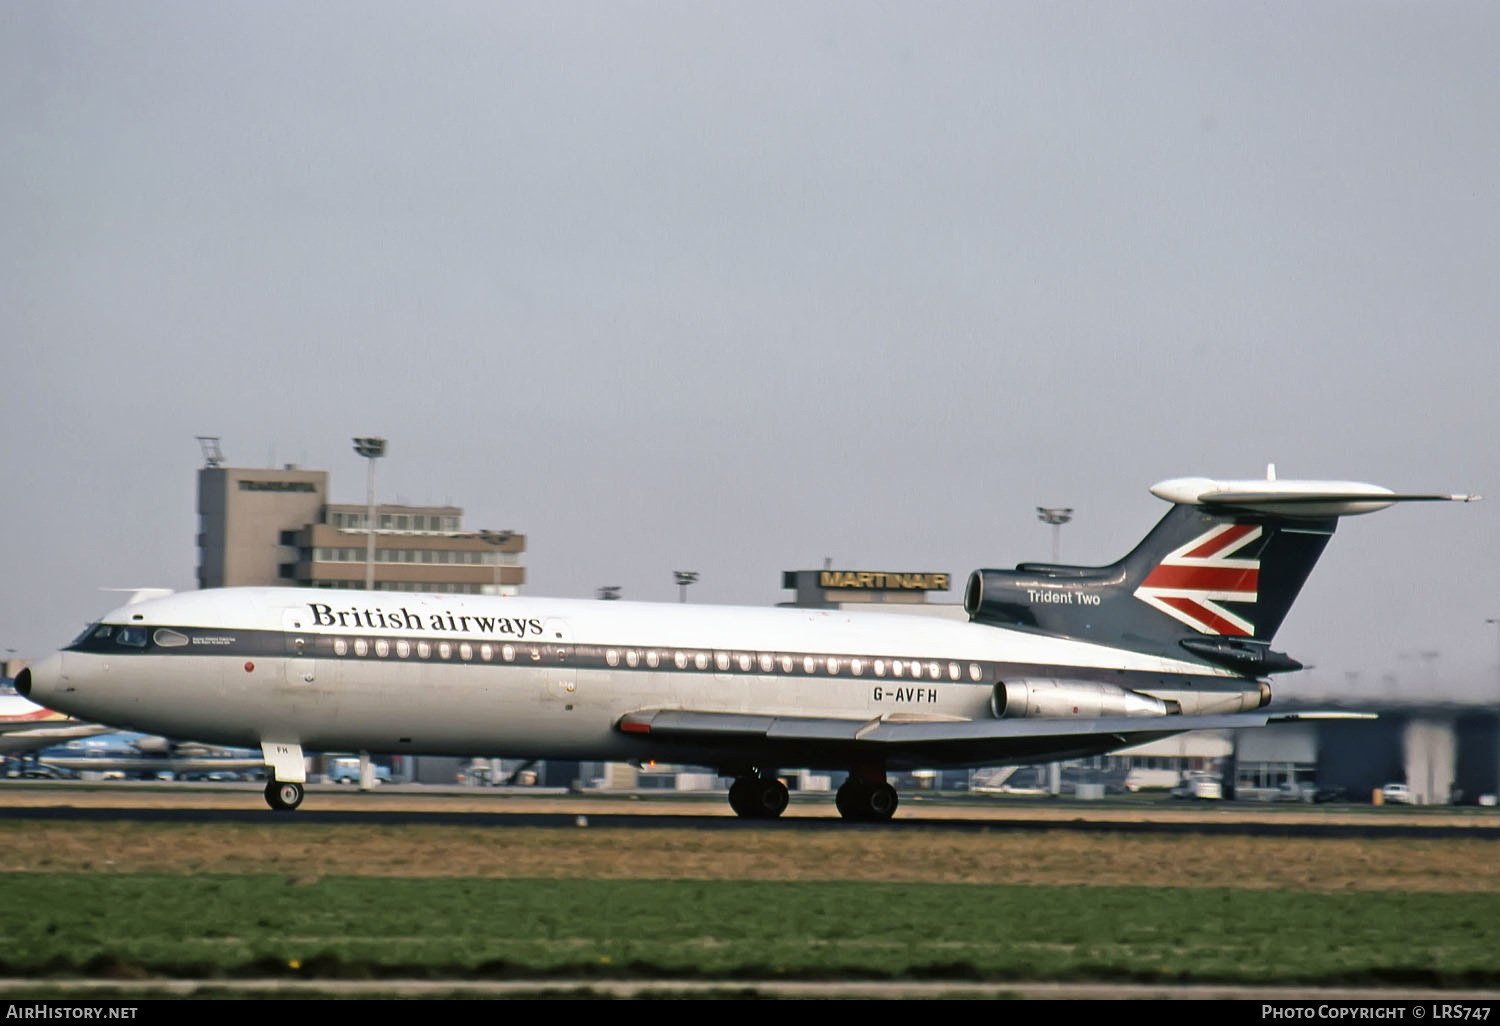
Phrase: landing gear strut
(758, 797)
(866, 801)
(283, 796)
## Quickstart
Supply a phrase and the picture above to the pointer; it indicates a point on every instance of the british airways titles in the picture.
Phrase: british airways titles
(405, 620)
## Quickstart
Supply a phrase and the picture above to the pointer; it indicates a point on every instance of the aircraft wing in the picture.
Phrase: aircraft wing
(908, 742)
(22, 739)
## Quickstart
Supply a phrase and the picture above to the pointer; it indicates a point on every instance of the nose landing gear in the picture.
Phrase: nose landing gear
(283, 796)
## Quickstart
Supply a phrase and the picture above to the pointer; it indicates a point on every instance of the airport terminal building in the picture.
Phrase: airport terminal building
(276, 527)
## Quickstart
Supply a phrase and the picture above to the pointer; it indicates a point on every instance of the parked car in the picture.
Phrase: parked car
(1296, 791)
(346, 771)
(1199, 785)
(1396, 794)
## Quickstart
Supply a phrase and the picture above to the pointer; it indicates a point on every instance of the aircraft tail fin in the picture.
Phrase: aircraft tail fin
(1212, 581)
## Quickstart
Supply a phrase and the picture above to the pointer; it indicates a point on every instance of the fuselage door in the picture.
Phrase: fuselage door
(301, 667)
(562, 674)
(307, 697)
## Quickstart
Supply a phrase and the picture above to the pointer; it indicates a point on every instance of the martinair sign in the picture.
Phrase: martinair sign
(865, 580)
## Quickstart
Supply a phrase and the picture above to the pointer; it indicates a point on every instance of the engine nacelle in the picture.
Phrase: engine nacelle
(1049, 696)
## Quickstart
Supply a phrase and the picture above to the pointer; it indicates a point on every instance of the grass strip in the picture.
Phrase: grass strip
(227, 925)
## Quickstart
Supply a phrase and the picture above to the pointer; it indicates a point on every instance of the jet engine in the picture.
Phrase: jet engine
(1049, 696)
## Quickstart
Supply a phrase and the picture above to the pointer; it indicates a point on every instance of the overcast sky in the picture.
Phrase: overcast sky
(735, 287)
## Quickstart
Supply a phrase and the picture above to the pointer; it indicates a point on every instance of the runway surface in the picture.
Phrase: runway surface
(502, 808)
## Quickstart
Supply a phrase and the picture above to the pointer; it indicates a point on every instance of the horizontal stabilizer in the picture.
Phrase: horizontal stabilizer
(1299, 499)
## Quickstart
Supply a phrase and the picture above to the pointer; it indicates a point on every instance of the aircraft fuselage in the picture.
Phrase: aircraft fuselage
(552, 679)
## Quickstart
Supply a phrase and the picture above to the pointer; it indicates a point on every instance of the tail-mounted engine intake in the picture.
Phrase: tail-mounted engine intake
(1047, 696)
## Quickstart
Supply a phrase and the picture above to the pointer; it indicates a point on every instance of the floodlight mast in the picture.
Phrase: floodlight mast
(371, 449)
(213, 456)
(1056, 516)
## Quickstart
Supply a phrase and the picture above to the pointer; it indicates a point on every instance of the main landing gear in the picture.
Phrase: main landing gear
(864, 798)
(283, 796)
(866, 801)
(758, 797)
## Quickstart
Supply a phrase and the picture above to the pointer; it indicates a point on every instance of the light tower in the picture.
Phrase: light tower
(371, 449)
(1056, 516)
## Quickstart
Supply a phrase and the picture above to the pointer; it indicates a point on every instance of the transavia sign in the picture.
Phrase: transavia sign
(865, 580)
(276, 486)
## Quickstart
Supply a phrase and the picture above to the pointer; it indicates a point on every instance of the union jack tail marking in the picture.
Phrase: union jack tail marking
(1190, 582)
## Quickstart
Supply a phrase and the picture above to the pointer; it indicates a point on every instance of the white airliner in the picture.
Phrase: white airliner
(26, 727)
(1055, 662)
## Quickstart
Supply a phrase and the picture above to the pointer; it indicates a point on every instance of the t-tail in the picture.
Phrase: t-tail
(1212, 582)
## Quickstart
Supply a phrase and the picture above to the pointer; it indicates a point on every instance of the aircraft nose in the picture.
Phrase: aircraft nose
(38, 681)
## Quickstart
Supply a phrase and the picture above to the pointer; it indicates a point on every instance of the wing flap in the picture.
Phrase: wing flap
(693, 725)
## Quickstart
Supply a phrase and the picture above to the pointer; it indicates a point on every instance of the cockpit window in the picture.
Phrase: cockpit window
(135, 637)
(167, 638)
(93, 630)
